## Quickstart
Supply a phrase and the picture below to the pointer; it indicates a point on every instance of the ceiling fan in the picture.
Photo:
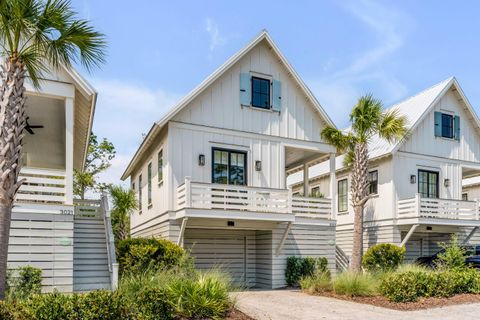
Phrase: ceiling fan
(29, 127)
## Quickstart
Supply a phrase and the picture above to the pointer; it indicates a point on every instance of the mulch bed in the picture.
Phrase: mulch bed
(422, 303)
(234, 314)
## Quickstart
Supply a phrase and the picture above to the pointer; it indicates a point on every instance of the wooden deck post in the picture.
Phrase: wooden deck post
(306, 181)
(188, 192)
(69, 132)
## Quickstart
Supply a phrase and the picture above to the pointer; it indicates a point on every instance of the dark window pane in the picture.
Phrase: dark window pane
(229, 167)
(373, 182)
(428, 184)
(447, 126)
(342, 195)
(260, 93)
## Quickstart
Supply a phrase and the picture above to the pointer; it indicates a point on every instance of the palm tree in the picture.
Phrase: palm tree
(124, 202)
(368, 120)
(35, 35)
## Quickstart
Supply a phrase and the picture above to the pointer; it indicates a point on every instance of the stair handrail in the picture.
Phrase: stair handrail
(341, 258)
(110, 241)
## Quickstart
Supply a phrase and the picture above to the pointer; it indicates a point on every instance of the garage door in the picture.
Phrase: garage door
(230, 250)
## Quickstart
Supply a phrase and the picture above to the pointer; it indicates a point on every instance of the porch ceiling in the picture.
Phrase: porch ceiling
(296, 157)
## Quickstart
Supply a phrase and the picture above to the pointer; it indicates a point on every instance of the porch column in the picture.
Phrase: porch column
(69, 120)
(333, 185)
(306, 181)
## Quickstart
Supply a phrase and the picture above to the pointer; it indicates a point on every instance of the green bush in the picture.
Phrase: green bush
(409, 285)
(320, 282)
(452, 257)
(298, 268)
(140, 254)
(355, 284)
(51, 306)
(27, 282)
(204, 296)
(154, 304)
(7, 311)
(383, 257)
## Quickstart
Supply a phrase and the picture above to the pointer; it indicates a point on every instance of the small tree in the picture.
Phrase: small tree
(453, 255)
(99, 156)
(368, 121)
(124, 202)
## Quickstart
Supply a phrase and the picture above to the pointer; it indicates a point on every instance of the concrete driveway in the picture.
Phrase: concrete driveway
(292, 305)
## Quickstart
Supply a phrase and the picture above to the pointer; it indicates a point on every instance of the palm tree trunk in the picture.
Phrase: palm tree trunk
(12, 123)
(359, 189)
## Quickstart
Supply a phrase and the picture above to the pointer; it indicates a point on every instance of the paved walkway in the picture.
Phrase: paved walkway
(293, 305)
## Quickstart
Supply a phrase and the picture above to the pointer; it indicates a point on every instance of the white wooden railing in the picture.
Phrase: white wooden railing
(438, 208)
(42, 186)
(244, 198)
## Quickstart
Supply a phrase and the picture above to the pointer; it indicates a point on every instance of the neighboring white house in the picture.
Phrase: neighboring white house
(416, 184)
(211, 174)
(50, 230)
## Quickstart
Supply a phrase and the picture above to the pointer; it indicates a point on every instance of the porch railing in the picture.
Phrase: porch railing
(42, 186)
(244, 198)
(438, 208)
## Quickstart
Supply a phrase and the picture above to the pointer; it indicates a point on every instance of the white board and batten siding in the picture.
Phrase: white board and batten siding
(219, 105)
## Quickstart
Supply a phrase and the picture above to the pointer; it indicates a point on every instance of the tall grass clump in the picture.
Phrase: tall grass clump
(355, 284)
(317, 283)
(203, 296)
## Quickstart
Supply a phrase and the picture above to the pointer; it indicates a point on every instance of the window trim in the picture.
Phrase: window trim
(160, 181)
(370, 183)
(437, 184)
(269, 107)
(245, 153)
(338, 195)
(149, 183)
(452, 127)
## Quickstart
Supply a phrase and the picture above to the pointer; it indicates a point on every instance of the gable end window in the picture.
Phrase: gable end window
(342, 195)
(373, 182)
(447, 126)
(260, 93)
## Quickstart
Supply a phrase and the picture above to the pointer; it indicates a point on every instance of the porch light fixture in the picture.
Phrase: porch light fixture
(446, 183)
(201, 160)
(413, 179)
(258, 165)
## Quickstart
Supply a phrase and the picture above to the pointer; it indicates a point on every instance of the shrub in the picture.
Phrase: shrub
(452, 257)
(355, 284)
(7, 311)
(383, 257)
(51, 306)
(26, 283)
(154, 304)
(206, 296)
(140, 254)
(320, 282)
(409, 284)
(101, 304)
(298, 268)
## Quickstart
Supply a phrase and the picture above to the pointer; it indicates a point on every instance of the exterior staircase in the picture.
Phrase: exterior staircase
(94, 266)
(342, 260)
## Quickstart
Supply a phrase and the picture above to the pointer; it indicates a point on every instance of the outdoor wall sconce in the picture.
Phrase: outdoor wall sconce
(201, 160)
(258, 165)
(413, 179)
(446, 183)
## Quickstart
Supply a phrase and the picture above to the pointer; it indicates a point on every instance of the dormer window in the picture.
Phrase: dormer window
(260, 93)
(447, 126)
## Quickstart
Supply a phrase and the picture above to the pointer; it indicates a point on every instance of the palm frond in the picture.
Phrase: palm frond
(336, 137)
(365, 115)
(392, 126)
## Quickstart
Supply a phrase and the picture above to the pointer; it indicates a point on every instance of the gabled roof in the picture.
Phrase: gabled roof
(263, 36)
(415, 108)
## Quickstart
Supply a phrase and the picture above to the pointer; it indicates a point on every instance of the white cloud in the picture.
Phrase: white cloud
(216, 39)
(123, 113)
(338, 90)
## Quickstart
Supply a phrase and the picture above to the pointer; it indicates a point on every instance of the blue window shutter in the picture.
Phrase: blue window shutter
(438, 124)
(456, 125)
(245, 89)
(277, 95)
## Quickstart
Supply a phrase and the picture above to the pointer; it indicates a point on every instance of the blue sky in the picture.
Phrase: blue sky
(159, 50)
